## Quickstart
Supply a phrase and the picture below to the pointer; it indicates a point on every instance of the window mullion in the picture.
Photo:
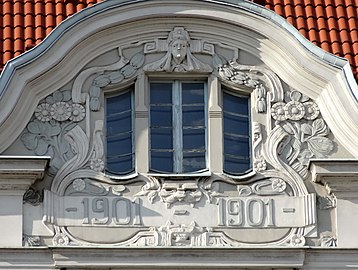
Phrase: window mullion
(177, 128)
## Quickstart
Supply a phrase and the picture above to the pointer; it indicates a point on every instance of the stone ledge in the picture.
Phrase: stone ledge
(172, 258)
(339, 176)
(18, 173)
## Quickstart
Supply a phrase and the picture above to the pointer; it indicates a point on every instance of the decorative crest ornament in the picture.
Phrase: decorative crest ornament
(179, 57)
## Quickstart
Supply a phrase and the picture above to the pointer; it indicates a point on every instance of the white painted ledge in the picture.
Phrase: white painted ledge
(172, 258)
(339, 176)
(18, 173)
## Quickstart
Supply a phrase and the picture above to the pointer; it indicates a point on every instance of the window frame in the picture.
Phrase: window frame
(237, 93)
(213, 98)
(131, 89)
(178, 115)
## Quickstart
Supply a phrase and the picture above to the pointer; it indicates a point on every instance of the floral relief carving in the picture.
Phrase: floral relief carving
(59, 107)
(235, 76)
(97, 165)
(79, 184)
(301, 140)
(259, 161)
(327, 240)
(297, 107)
(31, 240)
(53, 118)
(271, 186)
(327, 202)
(104, 79)
(47, 138)
(260, 164)
(297, 240)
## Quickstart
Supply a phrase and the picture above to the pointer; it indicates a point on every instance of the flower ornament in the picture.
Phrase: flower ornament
(38, 136)
(61, 111)
(43, 112)
(297, 240)
(260, 165)
(278, 111)
(97, 165)
(78, 112)
(294, 110)
(278, 185)
(79, 184)
(311, 110)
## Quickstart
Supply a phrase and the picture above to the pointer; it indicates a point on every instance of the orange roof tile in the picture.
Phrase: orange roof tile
(330, 24)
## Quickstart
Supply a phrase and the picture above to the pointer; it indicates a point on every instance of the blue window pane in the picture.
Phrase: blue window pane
(162, 161)
(193, 162)
(161, 93)
(236, 146)
(161, 116)
(193, 116)
(193, 93)
(236, 134)
(119, 103)
(119, 123)
(119, 135)
(236, 166)
(120, 165)
(236, 124)
(193, 139)
(235, 104)
(119, 145)
(161, 138)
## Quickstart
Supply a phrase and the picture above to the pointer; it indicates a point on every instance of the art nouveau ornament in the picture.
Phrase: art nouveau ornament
(179, 56)
(300, 140)
(180, 210)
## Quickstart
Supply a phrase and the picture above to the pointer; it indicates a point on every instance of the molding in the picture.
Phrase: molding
(140, 258)
(17, 174)
(26, 258)
(339, 176)
(186, 258)
(81, 38)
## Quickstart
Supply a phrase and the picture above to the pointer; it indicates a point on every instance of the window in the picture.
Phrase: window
(236, 127)
(177, 127)
(174, 133)
(119, 133)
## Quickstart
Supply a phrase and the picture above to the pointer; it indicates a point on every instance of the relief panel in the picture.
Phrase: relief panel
(270, 204)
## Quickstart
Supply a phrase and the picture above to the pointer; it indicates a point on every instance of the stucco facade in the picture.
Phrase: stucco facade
(293, 207)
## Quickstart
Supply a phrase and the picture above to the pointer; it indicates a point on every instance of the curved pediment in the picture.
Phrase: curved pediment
(272, 100)
(249, 27)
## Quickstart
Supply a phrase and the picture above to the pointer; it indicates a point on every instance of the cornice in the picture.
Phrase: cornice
(339, 176)
(135, 258)
(17, 174)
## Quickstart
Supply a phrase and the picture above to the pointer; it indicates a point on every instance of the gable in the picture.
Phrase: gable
(300, 107)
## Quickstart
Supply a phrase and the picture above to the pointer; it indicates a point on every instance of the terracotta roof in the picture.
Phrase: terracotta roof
(330, 24)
